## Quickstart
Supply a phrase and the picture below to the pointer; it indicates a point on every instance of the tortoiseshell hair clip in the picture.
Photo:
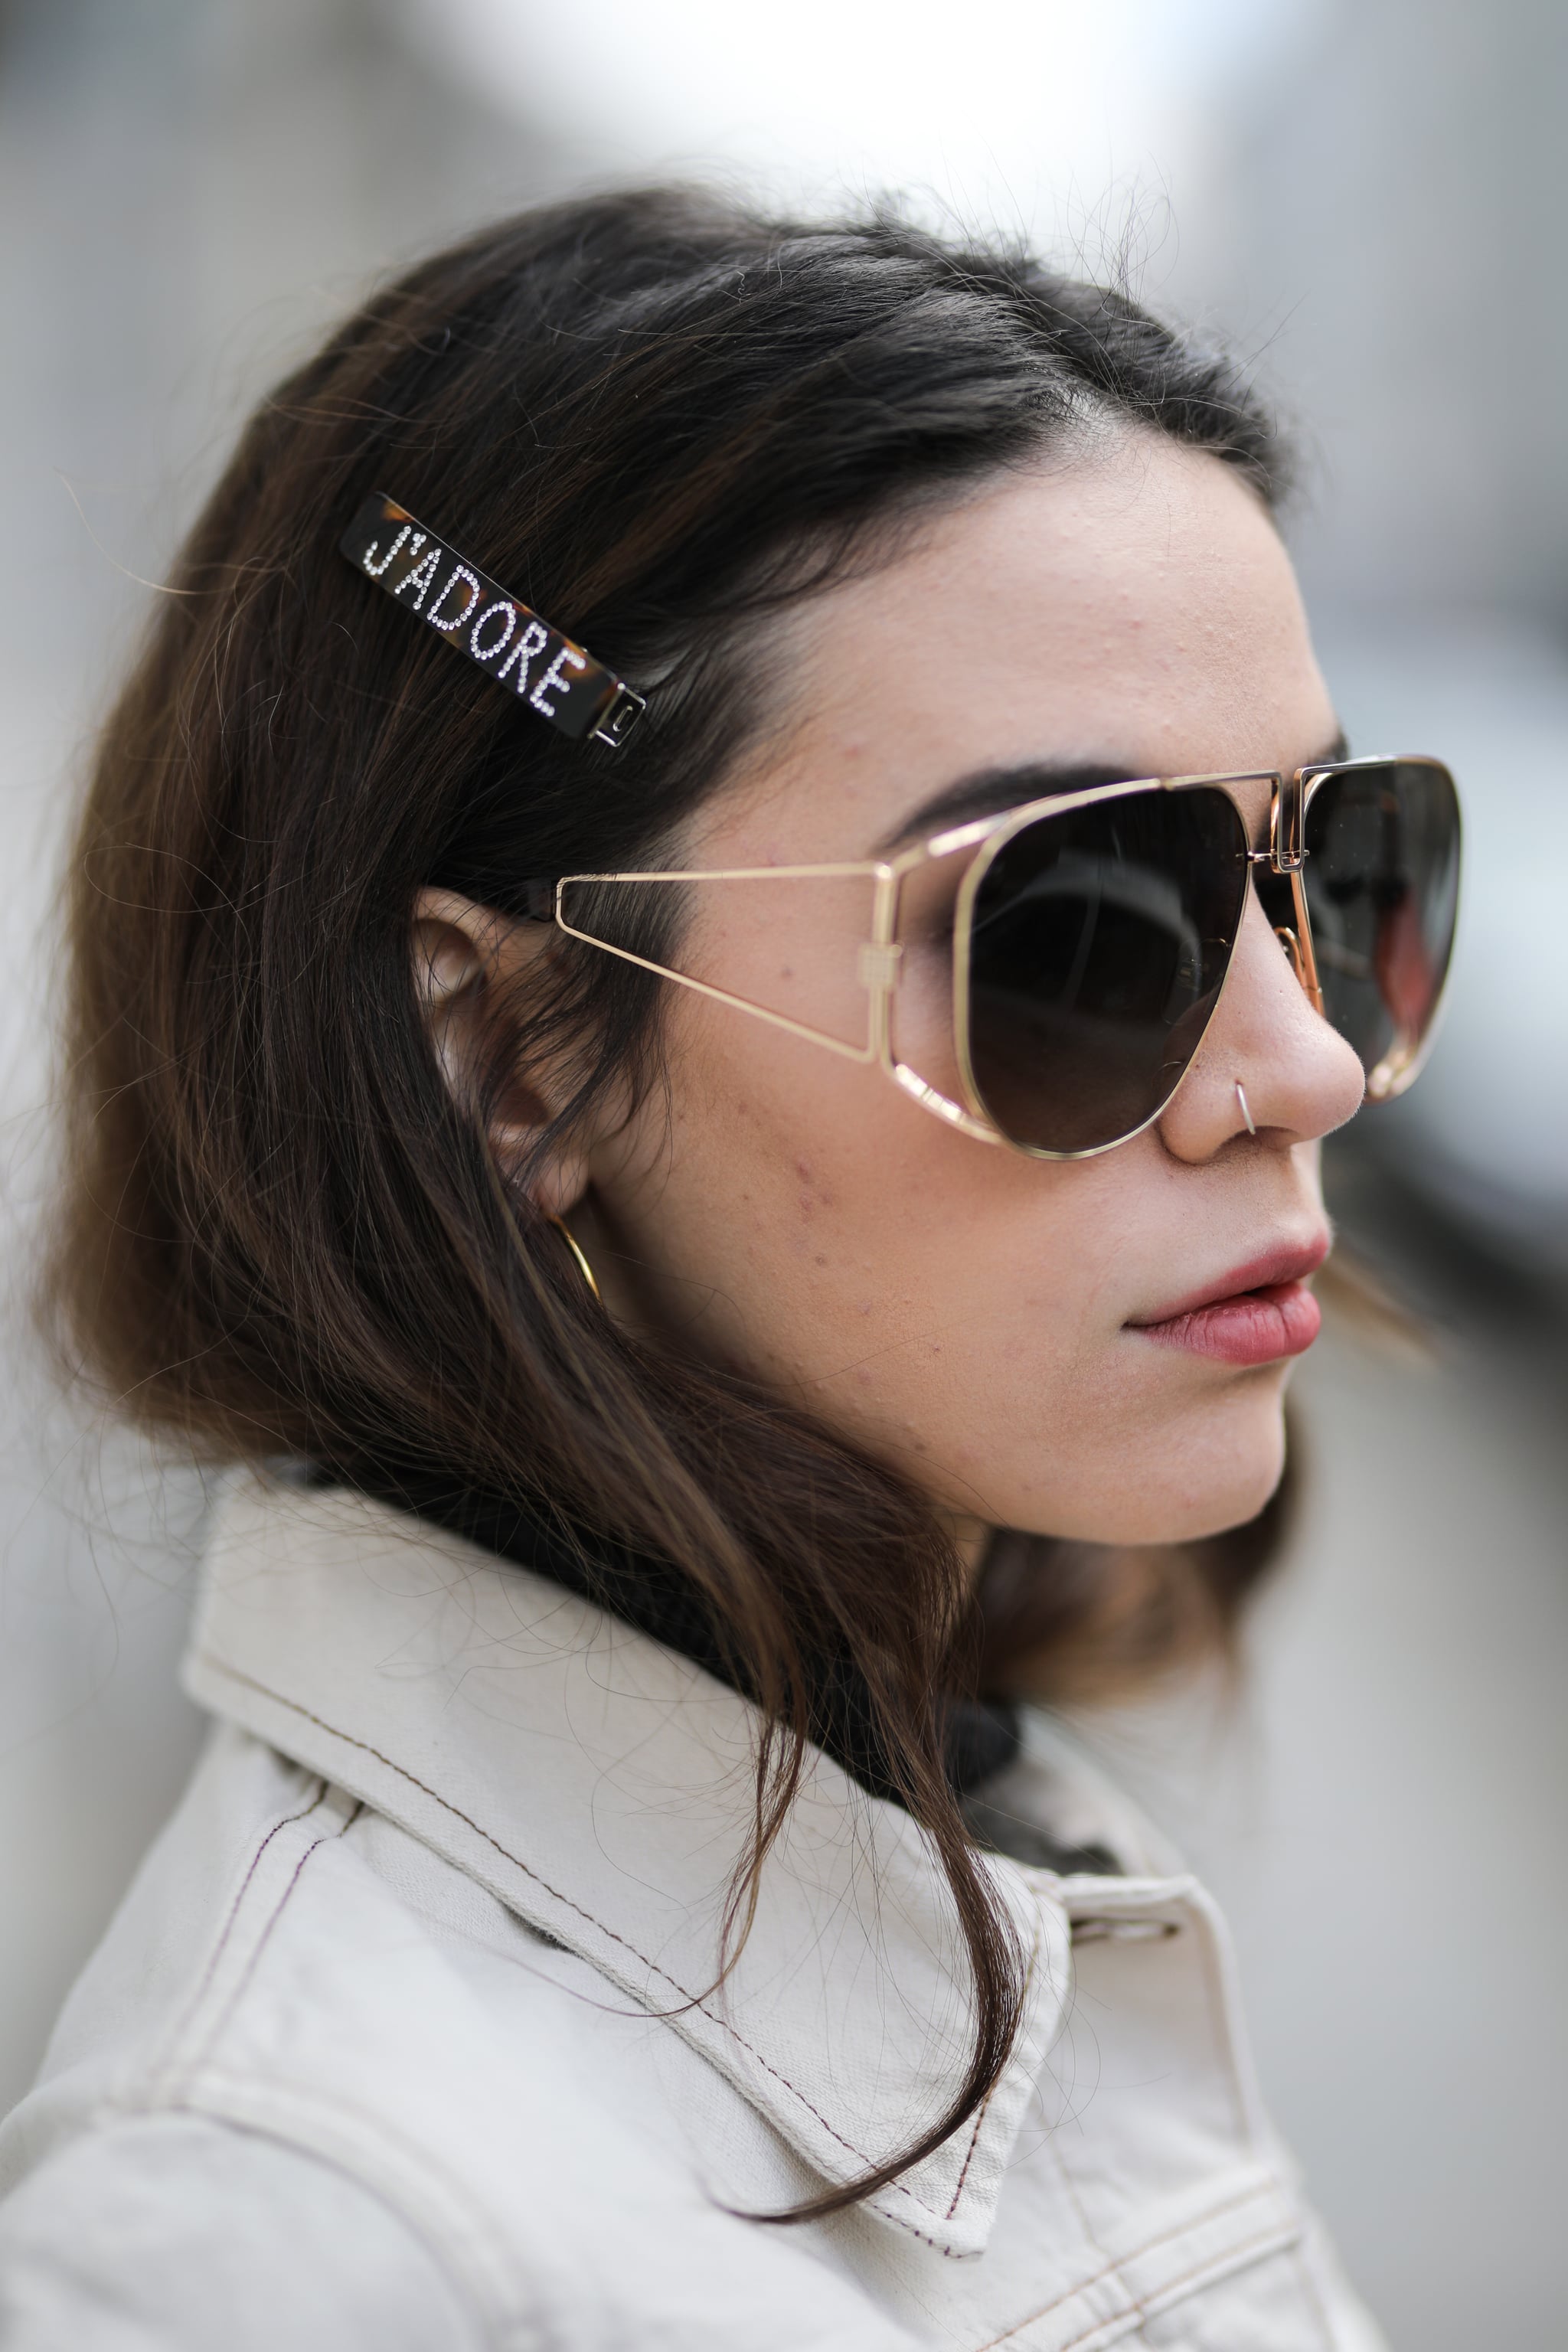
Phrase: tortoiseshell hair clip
(544, 668)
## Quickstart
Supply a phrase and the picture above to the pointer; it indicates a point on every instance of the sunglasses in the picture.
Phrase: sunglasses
(1043, 977)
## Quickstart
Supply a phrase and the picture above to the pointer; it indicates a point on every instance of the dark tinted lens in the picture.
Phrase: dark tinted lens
(1099, 942)
(1382, 879)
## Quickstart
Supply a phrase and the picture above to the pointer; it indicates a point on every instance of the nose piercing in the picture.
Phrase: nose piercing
(1245, 1114)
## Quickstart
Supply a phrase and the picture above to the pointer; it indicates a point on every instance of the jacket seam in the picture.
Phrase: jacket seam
(1143, 2308)
(1144, 2311)
(1141, 2305)
(1223, 2025)
(211, 2109)
(690, 1999)
(193, 2007)
(991, 2094)
(286, 1822)
(253, 1961)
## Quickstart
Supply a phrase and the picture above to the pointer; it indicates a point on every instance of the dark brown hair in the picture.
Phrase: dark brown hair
(657, 418)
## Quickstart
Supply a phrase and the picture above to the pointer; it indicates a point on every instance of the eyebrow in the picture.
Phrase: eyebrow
(988, 791)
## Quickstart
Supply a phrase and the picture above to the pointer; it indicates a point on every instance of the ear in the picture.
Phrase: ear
(470, 967)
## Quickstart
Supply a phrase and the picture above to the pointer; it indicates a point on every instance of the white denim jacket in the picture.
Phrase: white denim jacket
(407, 2036)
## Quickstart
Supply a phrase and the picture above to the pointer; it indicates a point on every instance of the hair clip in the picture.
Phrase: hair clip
(541, 668)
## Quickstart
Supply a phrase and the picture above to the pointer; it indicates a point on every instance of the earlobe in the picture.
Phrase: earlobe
(561, 1185)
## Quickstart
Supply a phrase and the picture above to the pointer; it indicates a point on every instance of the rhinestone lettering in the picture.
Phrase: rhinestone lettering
(552, 677)
(509, 619)
(479, 618)
(375, 570)
(471, 579)
(420, 577)
(533, 640)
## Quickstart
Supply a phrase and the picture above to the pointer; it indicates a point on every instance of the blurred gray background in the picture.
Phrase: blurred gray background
(1366, 196)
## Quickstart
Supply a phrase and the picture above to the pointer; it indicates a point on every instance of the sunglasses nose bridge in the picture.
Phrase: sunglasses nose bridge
(1285, 860)
(1288, 823)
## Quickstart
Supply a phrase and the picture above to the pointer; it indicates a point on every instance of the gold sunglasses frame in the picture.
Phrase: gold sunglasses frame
(879, 959)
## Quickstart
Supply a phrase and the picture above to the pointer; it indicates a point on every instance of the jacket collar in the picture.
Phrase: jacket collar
(601, 1786)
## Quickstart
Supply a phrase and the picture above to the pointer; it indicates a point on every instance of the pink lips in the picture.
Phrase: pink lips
(1254, 1314)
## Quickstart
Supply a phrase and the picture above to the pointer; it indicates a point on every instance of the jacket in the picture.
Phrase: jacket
(411, 2033)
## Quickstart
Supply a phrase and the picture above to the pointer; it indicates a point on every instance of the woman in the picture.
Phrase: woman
(703, 1172)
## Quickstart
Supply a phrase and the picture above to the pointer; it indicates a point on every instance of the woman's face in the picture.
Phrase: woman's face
(990, 1323)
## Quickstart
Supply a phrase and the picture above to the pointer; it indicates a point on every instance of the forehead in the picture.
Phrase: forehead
(1131, 607)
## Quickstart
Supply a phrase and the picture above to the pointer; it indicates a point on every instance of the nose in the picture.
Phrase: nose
(1299, 1079)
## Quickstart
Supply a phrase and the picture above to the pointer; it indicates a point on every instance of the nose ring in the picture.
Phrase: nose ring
(1246, 1115)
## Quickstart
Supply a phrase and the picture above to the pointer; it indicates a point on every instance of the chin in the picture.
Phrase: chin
(1235, 1491)
(1190, 1522)
(1182, 1485)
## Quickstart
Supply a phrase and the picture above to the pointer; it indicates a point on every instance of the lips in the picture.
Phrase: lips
(1255, 1314)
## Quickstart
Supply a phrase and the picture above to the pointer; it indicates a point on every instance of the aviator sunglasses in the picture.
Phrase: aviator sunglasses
(1040, 978)
(1043, 977)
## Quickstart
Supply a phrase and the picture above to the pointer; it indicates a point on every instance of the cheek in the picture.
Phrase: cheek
(947, 1304)
(922, 1290)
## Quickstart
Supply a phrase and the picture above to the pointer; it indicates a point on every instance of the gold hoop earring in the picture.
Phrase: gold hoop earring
(570, 1238)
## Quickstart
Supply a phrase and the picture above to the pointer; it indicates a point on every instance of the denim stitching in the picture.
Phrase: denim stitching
(1166, 2238)
(691, 2000)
